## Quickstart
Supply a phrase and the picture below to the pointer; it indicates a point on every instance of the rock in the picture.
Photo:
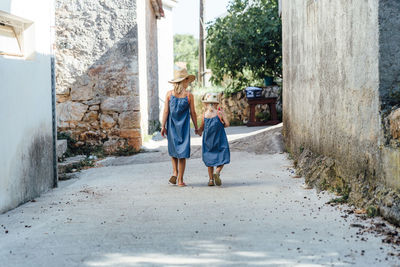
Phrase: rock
(70, 111)
(112, 145)
(89, 135)
(92, 102)
(130, 133)
(70, 163)
(120, 104)
(129, 120)
(107, 122)
(62, 98)
(136, 143)
(94, 107)
(62, 146)
(394, 119)
(66, 176)
(81, 93)
(91, 116)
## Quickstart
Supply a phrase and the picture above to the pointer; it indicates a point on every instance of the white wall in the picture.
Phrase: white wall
(26, 167)
(165, 52)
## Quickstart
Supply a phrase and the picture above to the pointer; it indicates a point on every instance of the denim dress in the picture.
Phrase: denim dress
(215, 146)
(178, 127)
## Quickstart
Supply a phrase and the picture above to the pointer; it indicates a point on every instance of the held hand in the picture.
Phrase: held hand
(163, 132)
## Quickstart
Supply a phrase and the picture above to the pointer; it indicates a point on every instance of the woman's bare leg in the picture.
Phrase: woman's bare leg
(174, 166)
(181, 172)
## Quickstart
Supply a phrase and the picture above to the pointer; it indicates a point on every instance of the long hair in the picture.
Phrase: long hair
(178, 88)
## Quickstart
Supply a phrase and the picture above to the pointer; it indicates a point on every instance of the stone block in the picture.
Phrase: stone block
(129, 133)
(70, 111)
(91, 116)
(62, 98)
(94, 107)
(62, 146)
(120, 104)
(129, 120)
(136, 143)
(81, 93)
(107, 122)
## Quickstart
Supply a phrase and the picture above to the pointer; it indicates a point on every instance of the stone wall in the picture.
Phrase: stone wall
(237, 109)
(97, 72)
(338, 67)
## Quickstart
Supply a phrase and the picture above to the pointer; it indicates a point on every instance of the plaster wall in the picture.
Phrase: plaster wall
(341, 96)
(26, 158)
(331, 80)
(165, 52)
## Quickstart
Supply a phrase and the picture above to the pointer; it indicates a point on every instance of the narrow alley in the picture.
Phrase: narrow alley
(126, 214)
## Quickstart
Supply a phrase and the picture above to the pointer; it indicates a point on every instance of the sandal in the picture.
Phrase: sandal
(217, 179)
(211, 182)
(172, 180)
(181, 184)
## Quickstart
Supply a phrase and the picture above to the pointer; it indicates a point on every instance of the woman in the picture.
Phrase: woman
(178, 108)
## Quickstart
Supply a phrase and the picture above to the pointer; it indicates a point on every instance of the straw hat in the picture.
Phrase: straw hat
(210, 98)
(180, 75)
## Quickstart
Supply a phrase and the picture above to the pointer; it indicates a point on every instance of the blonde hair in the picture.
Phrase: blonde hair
(178, 88)
(211, 105)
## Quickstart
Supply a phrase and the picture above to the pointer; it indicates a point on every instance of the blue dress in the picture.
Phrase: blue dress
(215, 143)
(178, 127)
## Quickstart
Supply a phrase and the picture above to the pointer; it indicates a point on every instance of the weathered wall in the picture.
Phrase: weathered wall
(334, 80)
(165, 52)
(148, 66)
(26, 157)
(389, 89)
(97, 72)
(237, 109)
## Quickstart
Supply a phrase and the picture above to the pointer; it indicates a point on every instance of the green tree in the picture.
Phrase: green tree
(186, 49)
(245, 45)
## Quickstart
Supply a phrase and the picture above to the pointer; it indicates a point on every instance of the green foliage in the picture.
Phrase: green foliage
(245, 46)
(186, 49)
(86, 149)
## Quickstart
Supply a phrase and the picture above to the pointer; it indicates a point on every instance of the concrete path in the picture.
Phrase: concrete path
(128, 215)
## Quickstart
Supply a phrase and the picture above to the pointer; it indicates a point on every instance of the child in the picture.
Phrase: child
(178, 108)
(215, 145)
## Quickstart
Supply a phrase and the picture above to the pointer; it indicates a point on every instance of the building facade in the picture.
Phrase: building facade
(27, 143)
(341, 72)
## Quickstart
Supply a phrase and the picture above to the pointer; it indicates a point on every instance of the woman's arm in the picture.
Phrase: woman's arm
(193, 111)
(165, 114)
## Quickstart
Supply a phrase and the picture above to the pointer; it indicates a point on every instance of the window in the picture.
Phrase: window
(12, 32)
(9, 43)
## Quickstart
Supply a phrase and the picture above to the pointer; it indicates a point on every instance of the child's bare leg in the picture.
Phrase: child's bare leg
(217, 178)
(174, 166)
(210, 172)
(181, 167)
(219, 169)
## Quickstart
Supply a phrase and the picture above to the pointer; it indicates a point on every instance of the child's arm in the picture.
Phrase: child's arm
(165, 114)
(193, 112)
(222, 117)
(201, 129)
